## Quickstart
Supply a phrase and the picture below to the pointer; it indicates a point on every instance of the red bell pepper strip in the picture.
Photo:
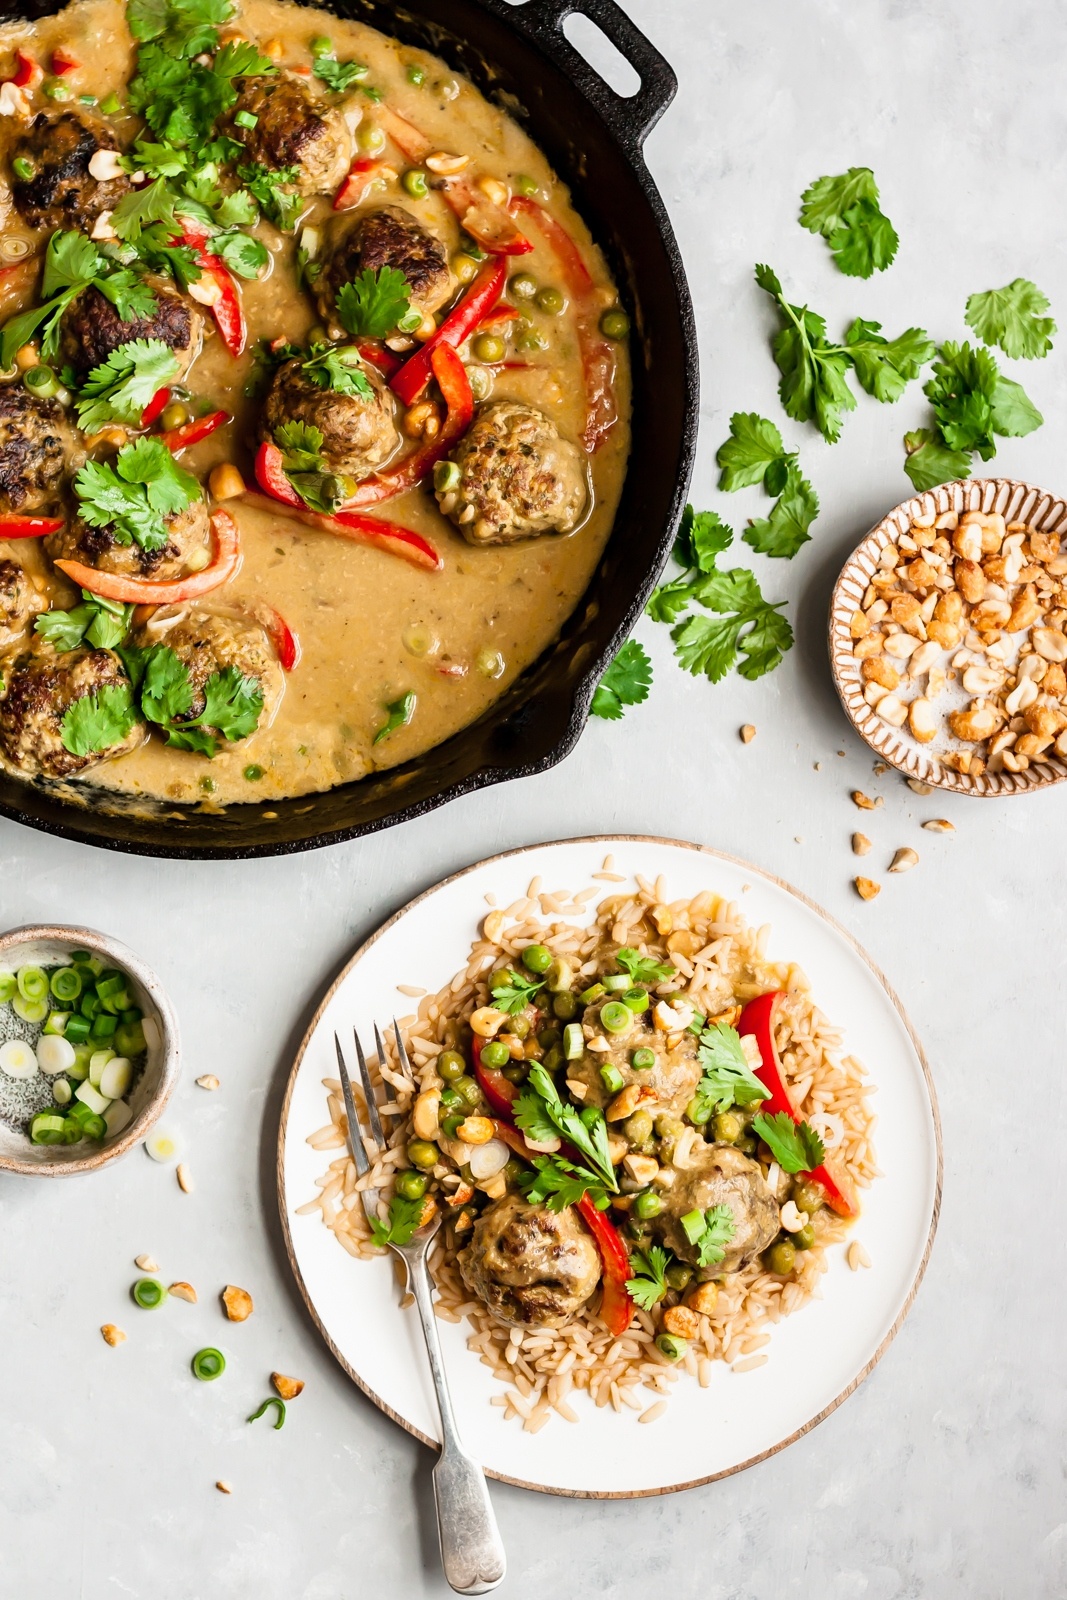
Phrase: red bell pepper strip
(191, 433)
(616, 1307)
(483, 294)
(357, 185)
(155, 407)
(388, 536)
(454, 384)
(487, 223)
(757, 1019)
(500, 1092)
(285, 642)
(409, 140)
(379, 355)
(62, 63)
(28, 72)
(15, 526)
(216, 287)
(145, 591)
(271, 476)
(598, 357)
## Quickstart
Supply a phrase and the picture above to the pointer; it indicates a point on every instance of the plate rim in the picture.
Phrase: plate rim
(613, 839)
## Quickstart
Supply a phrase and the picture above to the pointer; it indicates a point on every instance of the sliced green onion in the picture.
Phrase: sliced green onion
(89, 1006)
(32, 983)
(637, 1000)
(61, 1092)
(46, 1128)
(8, 987)
(273, 1401)
(115, 1078)
(66, 984)
(104, 1025)
(616, 1017)
(72, 1131)
(30, 1010)
(76, 1030)
(91, 1097)
(24, 170)
(416, 76)
(97, 1062)
(594, 992)
(41, 381)
(130, 1039)
(87, 99)
(208, 1364)
(94, 1127)
(671, 1346)
(245, 119)
(110, 984)
(54, 1054)
(148, 1293)
(80, 1069)
(573, 1041)
(110, 104)
(56, 89)
(616, 981)
(693, 1224)
(132, 1014)
(57, 1022)
(612, 1078)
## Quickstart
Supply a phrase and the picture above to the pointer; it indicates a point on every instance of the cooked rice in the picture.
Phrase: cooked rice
(719, 960)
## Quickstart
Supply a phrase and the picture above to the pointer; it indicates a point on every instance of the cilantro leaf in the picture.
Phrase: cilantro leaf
(400, 714)
(765, 644)
(154, 203)
(133, 496)
(183, 27)
(710, 1232)
(70, 259)
(865, 242)
(928, 460)
(337, 368)
(625, 683)
(119, 389)
(753, 450)
(241, 59)
(701, 537)
(1013, 318)
(973, 401)
(375, 304)
(813, 386)
(301, 446)
(540, 1105)
(128, 293)
(786, 528)
(883, 366)
(337, 75)
(232, 702)
(1014, 413)
(404, 1219)
(794, 1145)
(102, 623)
(512, 990)
(65, 630)
(824, 203)
(649, 1282)
(166, 687)
(726, 1077)
(98, 720)
(642, 969)
(157, 160)
(274, 189)
(710, 645)
(558, 1183)
(241, 253)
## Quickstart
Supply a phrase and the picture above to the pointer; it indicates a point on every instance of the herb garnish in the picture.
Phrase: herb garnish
(649, 1282)
(98, 720)
(727, 1079)
(132, 497)
(846, 212)
(642, 969)
(119, 389)
(1013, 318)
(179, 97)
(307, 469)
(71, 263)
(794, 1145)
(274, 189)
(559, 1183)
(98, 622)
(337, 367)
(400, 713)
(625, 683)
(541, 1114)
(376, 304)
(512, 991)
(754, 453)
(337, 75)
(710, 1232)
(404, 1218)
(232, 702)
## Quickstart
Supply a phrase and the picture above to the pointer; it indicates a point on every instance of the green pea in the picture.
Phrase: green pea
(414, 183)
(513, 1172)
(530, 339)
(451, 1065)
(669, 1126)
(669, 1345)
(643, 1059)
(489, 347)
(522, 286)
(502, 978)
(781, 1258)
(550, 300)
(698, 1111)
(647, 1205)
(253, 772)
(615, 324)
(804, 1238)
(321, 45)
(727, 1127)
(423, 1153)
(548, 1036)
(808, 1196)
(678, 1275)
(564, 1006)
(525, 185)
(537, 958)
(464, 267)
(516, 1071)
(638, 1127)
(495, 1054)
(553, 1058)
(520, 1026)
(411, 1184)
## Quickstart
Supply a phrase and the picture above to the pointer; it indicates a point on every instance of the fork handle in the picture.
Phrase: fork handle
(472, 1551)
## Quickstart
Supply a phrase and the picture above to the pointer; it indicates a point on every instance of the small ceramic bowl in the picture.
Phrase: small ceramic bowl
(48, 946)
(1016, 502)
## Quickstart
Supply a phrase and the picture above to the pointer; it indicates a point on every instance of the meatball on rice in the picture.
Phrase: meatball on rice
(293, 128)
(518, 477)
(531, 1266)
(35, 439)
(62, 193)
(721, 1176)
(39, 687)
(387, 237)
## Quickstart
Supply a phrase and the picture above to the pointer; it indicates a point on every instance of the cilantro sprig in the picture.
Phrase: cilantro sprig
(274, 188)
(98, 622)
(755, 454)
(307, 469)
(404, 1218)
(133, 496)
(846, 212)
(376, 304)
(625, 683)
(726, 1077)
(794, 1145)
(973, 403)
(541, 1113)
(642, 969)
(709, 1232)
(338, 75)
(648, 1285)
(1013, 318)
(558, 1183)
(339, 368)
(99, 720)
(513, 991)
(232, 701)
(119, 389)
(71, 263)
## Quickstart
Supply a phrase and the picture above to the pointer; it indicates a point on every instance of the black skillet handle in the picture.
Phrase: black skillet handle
(630, 118)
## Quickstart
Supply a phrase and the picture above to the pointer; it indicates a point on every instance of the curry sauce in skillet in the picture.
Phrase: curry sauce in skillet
(314, 402)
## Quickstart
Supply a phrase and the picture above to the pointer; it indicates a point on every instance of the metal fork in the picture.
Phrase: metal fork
(472, 1551)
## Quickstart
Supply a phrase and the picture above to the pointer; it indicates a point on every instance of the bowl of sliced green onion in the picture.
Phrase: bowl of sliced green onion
(88, 1050)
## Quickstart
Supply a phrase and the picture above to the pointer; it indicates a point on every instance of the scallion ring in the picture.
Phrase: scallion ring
(208, 1364)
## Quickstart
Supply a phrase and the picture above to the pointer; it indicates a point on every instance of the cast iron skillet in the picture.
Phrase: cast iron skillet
(518, 55)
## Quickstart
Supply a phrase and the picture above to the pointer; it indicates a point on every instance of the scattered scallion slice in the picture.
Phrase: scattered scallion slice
(48, 1128)
(573, 1041)
(615, 982)
(55, 1054)
(612, 1078)
(29, 1010)
(208, 1364)
(149, 1293)
(18, 1059)
(616, 1017)
(32, 982)
(8, 987)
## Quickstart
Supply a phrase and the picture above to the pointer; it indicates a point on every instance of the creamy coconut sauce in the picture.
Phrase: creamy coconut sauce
(371, 627)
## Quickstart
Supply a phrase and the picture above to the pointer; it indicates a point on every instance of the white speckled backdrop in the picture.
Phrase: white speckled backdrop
(944, 1474)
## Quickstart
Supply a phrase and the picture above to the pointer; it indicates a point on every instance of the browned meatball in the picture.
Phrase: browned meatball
(19, 603)
(518, 477)
(721, 1176)
(92, 328)
(387, 237)
(62, 193)
(358, 434)
(671, 1083)
(532, 1267)
(208, 644)
(35, 438)
(39, 687)
(294, 128)
(98, 547)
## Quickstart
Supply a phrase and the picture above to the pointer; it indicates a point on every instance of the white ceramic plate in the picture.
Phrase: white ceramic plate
(818, 1355)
